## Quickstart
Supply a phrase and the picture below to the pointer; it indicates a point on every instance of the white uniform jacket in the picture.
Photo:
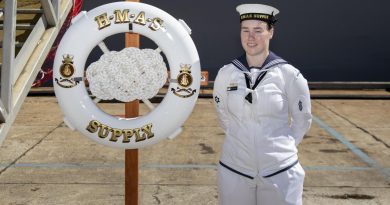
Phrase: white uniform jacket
(261, 137)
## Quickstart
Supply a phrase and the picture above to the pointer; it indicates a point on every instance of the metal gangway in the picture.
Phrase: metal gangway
(28, 29)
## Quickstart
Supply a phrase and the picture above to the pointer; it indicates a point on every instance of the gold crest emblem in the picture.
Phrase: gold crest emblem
(67, 68)
(185, 78)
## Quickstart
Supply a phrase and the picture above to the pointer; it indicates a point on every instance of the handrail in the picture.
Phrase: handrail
(18, 73)
(51, 14)
(7, 69)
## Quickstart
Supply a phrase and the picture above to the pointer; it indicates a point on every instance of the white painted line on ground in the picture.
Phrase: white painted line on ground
(358, 152)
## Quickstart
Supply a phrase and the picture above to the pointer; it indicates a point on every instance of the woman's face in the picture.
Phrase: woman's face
(255, 37)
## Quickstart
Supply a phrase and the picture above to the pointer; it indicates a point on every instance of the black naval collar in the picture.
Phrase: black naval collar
(242, 64)
(271, 60)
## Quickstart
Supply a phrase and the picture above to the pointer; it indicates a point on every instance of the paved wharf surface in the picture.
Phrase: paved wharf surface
(346, 155)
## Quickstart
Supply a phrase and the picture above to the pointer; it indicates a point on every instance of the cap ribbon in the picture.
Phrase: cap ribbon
(259, 16)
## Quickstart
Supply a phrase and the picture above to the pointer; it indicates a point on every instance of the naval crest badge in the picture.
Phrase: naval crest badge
(67, 70)
(184, 79)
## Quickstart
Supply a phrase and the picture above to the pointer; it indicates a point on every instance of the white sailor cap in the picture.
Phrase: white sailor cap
(257, 12)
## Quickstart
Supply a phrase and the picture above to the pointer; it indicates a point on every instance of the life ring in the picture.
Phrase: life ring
(91, 28)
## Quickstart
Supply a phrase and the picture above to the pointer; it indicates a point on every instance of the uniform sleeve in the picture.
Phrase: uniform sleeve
(219, 96)
(299, 104)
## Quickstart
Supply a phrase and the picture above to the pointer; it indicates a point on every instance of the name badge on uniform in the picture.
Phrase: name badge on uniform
(232, 87)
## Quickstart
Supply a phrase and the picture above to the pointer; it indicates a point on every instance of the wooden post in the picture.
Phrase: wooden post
(131, 155)
(131, 161)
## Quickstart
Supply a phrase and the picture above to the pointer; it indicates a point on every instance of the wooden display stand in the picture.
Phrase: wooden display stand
(131, 155)
(131, 161)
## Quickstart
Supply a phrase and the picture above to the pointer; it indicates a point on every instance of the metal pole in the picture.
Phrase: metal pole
(7, 70)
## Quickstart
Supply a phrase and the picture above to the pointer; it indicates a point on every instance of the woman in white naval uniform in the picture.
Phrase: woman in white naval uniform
(263, 104)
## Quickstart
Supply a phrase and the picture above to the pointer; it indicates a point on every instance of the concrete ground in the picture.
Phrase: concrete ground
(346, 156)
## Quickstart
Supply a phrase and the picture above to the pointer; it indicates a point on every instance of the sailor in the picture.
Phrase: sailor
(263, 105)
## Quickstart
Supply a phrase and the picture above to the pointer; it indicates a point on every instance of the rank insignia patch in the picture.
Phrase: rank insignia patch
(300, 106)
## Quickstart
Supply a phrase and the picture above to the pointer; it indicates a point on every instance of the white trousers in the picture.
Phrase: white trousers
(285, 188)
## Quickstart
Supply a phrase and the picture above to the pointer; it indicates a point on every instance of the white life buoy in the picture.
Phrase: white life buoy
(91, 28)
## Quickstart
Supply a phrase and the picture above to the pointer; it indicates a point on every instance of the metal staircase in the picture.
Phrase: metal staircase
(28, 29)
